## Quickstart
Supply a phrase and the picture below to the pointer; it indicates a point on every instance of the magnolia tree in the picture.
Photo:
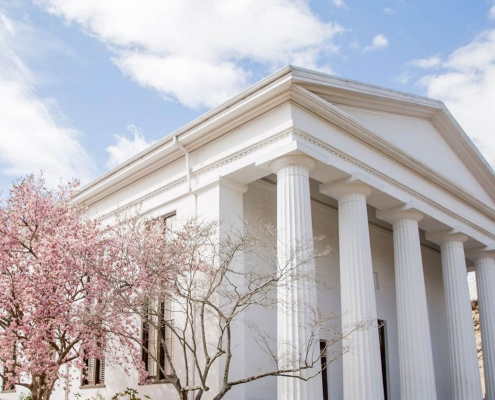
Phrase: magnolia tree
(54, 310)
(192, 291)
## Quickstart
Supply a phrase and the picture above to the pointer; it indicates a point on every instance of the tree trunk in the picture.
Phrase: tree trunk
(39, 391)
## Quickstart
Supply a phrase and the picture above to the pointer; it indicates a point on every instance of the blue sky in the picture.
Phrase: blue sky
(84, 85)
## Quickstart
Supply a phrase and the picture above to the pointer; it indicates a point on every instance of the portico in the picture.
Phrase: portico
(361, 366)
(399, 193)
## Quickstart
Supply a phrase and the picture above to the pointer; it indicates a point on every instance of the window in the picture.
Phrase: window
(170, 222)
(324, 370)
(157, 341)
(7, 388)
(157, 348)
(94, 372)
(383, 355)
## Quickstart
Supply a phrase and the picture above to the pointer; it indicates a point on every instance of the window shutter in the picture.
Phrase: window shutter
(101, 377)
(90, 373)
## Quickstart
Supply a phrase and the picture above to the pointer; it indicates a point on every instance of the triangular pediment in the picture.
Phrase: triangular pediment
(419, 139)
(415, 129)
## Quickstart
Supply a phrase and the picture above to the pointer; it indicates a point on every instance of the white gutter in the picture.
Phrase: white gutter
(176, 142)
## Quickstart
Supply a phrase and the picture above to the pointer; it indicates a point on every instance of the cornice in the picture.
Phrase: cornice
(353, 93)
(465, 150)
(233, 157)
(195, 173)
(339, 118)
(371, 171)
(129, 206)
(271, 188)
(339, 91)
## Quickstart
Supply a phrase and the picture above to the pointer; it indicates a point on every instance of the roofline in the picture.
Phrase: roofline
(189, 126)
(290, 75)
(438, 112)
(303, 75)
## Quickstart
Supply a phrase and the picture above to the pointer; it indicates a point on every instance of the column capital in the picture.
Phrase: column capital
(346, 186)
(449, 236)
(481, 253)
(292, 159)
(406, 211)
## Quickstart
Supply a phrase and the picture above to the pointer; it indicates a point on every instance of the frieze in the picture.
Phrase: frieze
(391, 182)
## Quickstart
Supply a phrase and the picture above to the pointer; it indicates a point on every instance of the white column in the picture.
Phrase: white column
(466, 382)
(485, 282)
(417, 377)
(362, 365)
(296, 298)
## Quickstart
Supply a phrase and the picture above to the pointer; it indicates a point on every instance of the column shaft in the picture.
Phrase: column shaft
(485, 282)
(417, 375)
(466, 382)
(362, 365)
(296, 293)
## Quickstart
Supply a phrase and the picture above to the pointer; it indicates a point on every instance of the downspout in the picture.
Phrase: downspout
(188, 174)
(195, 198)
(188, 169)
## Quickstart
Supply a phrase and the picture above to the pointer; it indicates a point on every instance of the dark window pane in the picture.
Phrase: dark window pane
(383, 355)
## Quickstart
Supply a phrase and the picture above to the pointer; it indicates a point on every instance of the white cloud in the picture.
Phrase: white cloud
(491, 13)
(33, 134)
(126, 148)
(426, 63)
(379, 42)
(199, 52)
(404, 77)
(193, 82)
(338, 3)
(389, 11)
(466, 83)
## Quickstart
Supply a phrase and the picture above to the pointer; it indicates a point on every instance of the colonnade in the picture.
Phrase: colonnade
(361, 367)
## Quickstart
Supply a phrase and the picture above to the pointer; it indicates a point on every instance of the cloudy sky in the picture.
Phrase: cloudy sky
(84, 85)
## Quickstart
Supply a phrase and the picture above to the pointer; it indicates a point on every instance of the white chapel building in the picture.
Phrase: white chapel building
(399, 192)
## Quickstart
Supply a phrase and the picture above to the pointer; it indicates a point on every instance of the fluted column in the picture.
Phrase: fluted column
(466, 382)
(485, 283)
(296, 292)
(361, 364)
(417, 377)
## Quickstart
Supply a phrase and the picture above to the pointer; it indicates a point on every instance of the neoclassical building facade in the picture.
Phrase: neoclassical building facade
(398, 191)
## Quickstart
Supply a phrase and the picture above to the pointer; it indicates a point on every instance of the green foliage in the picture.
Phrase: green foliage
(129, 394)
(25, 396)
(97, 396)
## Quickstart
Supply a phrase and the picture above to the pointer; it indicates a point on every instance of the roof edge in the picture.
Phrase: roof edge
(168, 139)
